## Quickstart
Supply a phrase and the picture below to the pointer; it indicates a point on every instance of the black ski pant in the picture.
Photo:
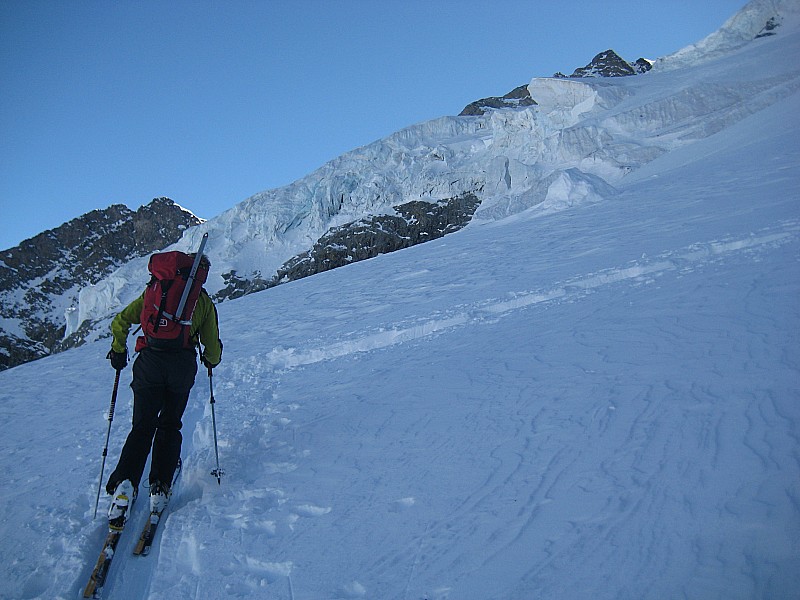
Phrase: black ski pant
(161, 384)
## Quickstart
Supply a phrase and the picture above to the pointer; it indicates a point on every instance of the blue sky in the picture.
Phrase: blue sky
(209, 102)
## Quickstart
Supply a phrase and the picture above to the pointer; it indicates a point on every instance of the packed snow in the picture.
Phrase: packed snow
(592, 395)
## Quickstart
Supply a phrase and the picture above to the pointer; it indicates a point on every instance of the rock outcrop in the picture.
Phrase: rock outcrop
(40, 278)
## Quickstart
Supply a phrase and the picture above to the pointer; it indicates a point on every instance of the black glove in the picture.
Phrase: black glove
(205, 362)
(119, 360)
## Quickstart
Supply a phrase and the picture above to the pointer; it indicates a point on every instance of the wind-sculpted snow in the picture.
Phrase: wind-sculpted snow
(564, 101)
(758, 17)
(683, 261)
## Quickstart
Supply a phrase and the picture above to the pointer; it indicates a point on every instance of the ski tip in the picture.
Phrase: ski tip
(92, 590)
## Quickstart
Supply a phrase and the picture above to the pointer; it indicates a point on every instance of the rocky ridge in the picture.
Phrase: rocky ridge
(611, 64)
(413, 223)
(605, 64)
(40, 278)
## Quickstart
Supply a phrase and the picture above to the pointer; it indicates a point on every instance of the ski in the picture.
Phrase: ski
(148, 534)
(100, 571)
(116, 524)
(145, 542)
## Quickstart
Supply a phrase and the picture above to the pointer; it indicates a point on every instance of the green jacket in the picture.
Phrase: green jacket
(204, 329)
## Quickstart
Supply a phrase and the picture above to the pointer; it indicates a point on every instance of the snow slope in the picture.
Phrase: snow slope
(577, 400)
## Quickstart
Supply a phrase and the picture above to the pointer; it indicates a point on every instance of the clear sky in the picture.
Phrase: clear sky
(209, 102)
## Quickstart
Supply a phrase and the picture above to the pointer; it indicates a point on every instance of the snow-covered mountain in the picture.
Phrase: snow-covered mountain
(591, 391)
(40, 279)
(611, 64)
(605, 64)
(580, 139)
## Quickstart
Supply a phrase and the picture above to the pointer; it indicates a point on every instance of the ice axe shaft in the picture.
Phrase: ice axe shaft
(185, 295)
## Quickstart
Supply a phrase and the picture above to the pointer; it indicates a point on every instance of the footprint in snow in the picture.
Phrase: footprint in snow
(402, 504)
(309, 510)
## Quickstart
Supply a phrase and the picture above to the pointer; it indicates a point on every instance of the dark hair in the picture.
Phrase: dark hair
(204, 262)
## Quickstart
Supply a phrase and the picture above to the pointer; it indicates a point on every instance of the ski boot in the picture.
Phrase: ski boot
(159, 497)
(123, 497)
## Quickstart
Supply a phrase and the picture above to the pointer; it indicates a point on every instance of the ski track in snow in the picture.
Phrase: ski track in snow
(263, 440)
(647, 270)
(261, 511)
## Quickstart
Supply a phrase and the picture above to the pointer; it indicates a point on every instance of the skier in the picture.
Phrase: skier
(163, 375)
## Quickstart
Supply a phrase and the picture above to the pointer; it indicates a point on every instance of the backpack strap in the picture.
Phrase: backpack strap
(165, 285)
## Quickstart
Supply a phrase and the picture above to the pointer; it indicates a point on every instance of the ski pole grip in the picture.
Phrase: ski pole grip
(211, 385)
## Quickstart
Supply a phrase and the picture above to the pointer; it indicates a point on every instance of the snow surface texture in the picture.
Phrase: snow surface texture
(599, 401)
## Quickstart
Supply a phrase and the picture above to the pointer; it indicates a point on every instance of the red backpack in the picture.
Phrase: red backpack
(162, 327)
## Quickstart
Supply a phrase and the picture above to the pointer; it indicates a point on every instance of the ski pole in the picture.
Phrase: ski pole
(108, 435)
(218, 473)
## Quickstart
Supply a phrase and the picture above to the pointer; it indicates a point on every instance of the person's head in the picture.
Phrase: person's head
(204, 262)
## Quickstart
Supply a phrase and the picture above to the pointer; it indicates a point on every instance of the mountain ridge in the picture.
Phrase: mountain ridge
(40, 278)
(544, 143)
